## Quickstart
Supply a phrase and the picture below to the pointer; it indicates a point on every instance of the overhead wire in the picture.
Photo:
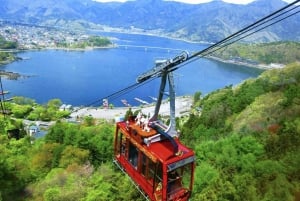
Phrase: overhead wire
(246, 29)
(239, 35)
(116, 94)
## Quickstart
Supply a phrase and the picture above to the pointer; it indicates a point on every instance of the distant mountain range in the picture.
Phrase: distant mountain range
(202, 22)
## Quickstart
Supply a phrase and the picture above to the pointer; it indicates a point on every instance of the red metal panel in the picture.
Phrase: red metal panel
(162, 150)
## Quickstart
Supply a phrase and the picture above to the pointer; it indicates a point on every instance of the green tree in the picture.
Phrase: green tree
(197, 96)
(20, 100)
(100, 142)
(107, 184)
(71, 155)
(14, 167)
(89, 121)
(57, 132)
(42, 160)
(54, 103)
(292, 93)
(128, 114)
(52, 194)
(208, 174)
(21, 111)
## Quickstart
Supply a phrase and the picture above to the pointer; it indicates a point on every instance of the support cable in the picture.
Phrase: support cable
(244, 30)
(229, 40)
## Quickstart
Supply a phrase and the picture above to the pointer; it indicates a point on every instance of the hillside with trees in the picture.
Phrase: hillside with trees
(246, 139)
(283, 52)
(6, 57)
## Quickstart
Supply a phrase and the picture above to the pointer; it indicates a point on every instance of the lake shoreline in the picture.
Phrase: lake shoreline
(5, 62)
(163, 35)
(15, 75)
(258, 66)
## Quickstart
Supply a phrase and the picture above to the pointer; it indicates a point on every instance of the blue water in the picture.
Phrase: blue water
(83, 77)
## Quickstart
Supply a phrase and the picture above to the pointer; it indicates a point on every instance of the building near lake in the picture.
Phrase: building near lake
(33, 130)
(65, 107)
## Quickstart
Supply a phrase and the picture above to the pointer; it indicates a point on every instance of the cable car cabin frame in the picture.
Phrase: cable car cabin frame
(157, 170)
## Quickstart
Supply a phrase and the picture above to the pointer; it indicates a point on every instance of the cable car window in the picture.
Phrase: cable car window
(158, 175)
(174, 181)
(144, 165)
(179, 178)
(122, 144)
(133, 155)
(151, 171)
(187, 176)
(158, 187)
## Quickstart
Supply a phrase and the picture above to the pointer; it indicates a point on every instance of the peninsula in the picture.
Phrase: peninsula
(16, 37)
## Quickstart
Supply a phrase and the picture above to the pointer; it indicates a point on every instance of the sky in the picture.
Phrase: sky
(197, 1)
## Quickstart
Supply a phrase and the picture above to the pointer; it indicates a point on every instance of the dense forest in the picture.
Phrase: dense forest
(283, 52)
(246, 139)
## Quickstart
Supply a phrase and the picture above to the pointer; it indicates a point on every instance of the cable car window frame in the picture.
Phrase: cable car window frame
(121, 144)
(144, 165)
(133, 155)
(157, 180)
(183, 179)
(158, 173)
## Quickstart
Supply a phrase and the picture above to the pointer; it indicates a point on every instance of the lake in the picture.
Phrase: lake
(80, 78)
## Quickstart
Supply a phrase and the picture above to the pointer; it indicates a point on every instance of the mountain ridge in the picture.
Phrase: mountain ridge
(217, 18)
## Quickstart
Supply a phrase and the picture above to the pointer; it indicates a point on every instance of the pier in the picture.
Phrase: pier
(141, 101)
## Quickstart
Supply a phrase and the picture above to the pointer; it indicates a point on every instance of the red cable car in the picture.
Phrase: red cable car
(162, 170)
(151, 154)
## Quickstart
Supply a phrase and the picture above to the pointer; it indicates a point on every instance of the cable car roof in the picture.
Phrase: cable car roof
(163, 150)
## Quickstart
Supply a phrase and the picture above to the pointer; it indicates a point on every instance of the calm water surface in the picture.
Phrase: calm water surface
(83, 77)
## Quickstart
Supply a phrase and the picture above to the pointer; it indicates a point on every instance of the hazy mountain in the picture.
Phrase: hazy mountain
(208, 21)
